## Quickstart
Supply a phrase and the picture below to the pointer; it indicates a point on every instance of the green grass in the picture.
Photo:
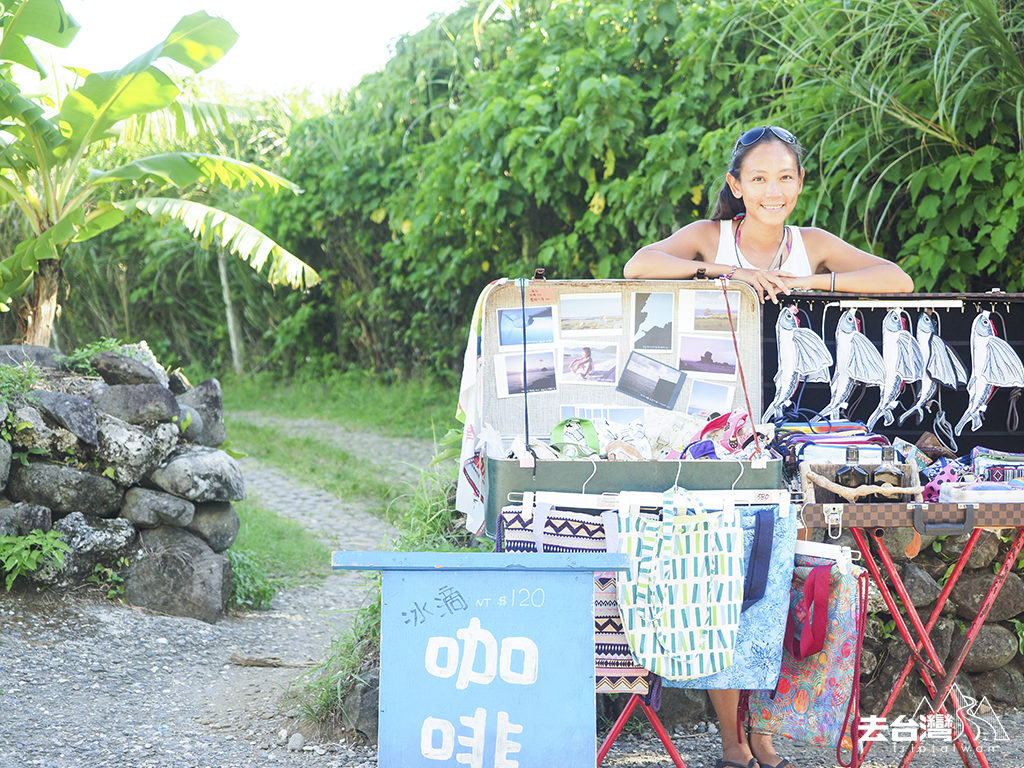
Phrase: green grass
(289, 554)
(423, 408)
(314, 461)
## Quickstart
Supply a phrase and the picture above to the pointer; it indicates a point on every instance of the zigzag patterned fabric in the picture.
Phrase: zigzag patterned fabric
(682, 595)
(615, 669)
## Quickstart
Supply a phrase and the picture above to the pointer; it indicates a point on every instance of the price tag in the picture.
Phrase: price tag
(539, 293)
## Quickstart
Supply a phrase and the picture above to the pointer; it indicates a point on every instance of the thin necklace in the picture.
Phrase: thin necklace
(785, 245)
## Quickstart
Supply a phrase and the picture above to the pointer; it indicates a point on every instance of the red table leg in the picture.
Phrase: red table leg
(655, 722)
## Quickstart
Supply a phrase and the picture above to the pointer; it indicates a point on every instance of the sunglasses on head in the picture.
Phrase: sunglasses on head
(754, 135)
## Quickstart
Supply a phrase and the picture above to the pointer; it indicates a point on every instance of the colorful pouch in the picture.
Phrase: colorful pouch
(816, 700)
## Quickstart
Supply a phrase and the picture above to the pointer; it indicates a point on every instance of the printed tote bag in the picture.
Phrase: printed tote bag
(769, 536)
(816, 700)
(681, 596)
(547, 529)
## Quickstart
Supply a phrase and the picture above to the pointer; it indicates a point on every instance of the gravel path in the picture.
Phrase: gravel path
(86, 683)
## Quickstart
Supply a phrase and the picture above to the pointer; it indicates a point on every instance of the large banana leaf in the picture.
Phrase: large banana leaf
(24, 119)
(105, 98)
(44, 20)
(245, 241)
(182, 169)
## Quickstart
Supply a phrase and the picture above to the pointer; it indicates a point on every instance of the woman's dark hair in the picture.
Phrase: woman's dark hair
(727, 205)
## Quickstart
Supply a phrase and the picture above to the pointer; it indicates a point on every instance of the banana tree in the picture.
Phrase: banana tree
(48, 153)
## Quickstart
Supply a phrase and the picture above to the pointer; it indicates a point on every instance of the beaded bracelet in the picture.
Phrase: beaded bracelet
(732, 272)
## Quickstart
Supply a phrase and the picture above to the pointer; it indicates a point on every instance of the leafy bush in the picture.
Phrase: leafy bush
(250, 587)
(17, 382)
(20, 555)
(79, 360)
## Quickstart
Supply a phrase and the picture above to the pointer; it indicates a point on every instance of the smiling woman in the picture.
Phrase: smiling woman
(309, 44)
(747, 238)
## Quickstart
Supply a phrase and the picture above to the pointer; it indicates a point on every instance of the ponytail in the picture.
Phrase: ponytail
(727, 206)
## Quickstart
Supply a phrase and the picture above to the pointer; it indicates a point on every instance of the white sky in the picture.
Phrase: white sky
(316, 44)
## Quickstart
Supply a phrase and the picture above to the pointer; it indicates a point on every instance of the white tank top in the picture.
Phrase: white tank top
(796, 263)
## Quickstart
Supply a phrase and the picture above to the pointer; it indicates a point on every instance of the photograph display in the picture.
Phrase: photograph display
(651, 381)
(708, 397)
(538, 322)
(620, 414)
(707, 355)
(589, 314)
(540, 373)
(706, 311)
(653, 320)
(590, 364)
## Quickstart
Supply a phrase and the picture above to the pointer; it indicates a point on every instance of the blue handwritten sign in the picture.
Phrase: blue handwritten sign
(487, 661)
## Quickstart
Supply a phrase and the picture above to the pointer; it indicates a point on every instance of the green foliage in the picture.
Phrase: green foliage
(109, 579)
(16, 384)
(1018, 628)
(250, 586)
(47, 170)
(79, 360)
(20, 555)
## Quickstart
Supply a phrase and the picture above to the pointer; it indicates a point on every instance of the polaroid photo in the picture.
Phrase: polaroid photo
(589, 314)
(708, 397)
(619, 414)
(595, 363)
(651, 381)
(653, 315)
(706, 311)
(540, 373)
(707, 355)
(538, 323)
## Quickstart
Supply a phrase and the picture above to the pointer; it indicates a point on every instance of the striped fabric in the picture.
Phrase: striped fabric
(682, 595)
(615, 669)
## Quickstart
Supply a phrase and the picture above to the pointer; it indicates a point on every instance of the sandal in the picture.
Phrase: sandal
(720, 763)
(781, 764)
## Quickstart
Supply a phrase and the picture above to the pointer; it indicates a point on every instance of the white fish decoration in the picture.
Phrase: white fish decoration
(903, 364)
(993, 364)
(941, 366)
(857, 362)
(803, 356)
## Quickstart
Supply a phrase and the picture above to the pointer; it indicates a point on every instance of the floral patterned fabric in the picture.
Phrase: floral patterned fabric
(757, 657)
(811, 703)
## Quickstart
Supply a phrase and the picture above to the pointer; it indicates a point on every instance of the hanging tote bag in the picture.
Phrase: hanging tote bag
(817, 698)
(681, 596)
(769, 536)
(546, 529)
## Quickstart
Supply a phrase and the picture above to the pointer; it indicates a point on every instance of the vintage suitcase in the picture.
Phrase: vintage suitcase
(951, 316)
(621, 350)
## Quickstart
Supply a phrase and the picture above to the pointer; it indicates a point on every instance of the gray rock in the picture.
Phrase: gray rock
(137, 403)
(64, 490)
(16, 354)
(921, 587)
(76, 414)
(360, 707)
(92, 541)
(994, 647)
(296, 742)
(175, 583)
(131, 450)
(168, 538)
(32, 435)
(117, 368)
(148, 509)
(8, 522)
(5, 463)
(216, 523)
(178, 382)
(192, 423)
(970, 590)
(200, 474)
(32, 517)
(1005, 685)
(140, 351)
(208, 400)
(897, 540)
(984, 552)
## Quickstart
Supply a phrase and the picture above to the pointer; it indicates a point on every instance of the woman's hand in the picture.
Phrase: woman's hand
(768, 283)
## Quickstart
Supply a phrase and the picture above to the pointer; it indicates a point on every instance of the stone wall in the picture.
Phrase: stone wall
(127, 468)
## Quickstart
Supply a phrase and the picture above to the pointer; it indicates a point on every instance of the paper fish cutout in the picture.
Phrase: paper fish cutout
(993, 364)
(942, 366)
(857, 362)
(803, 356)
(903, 364)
